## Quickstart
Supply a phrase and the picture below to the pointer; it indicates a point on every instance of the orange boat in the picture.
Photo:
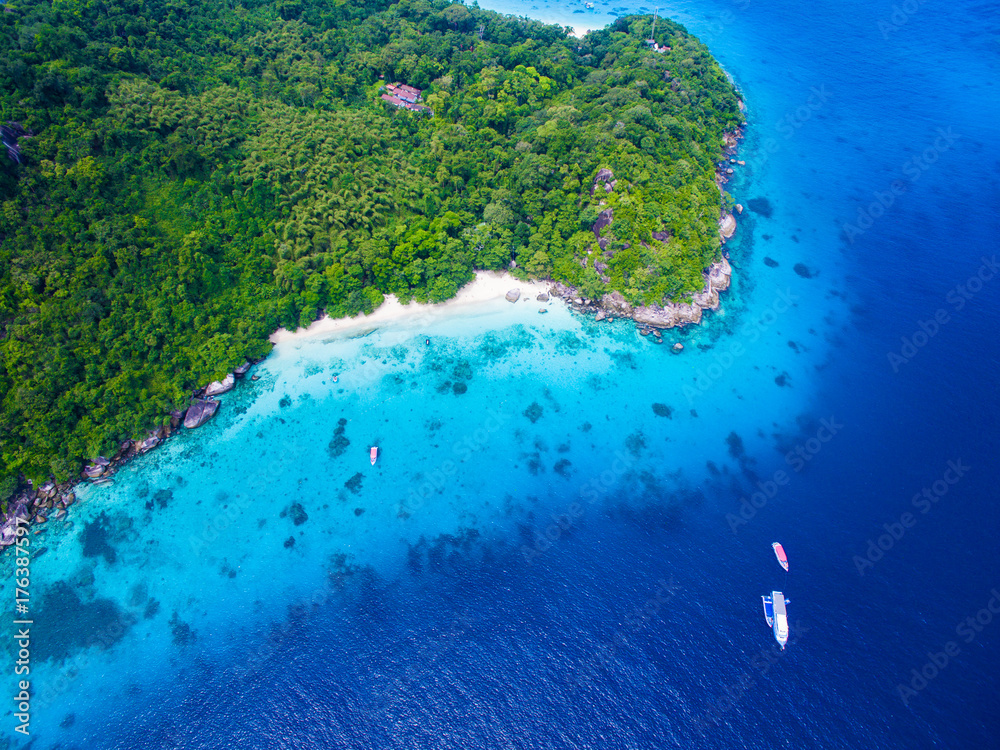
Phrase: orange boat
(779, 552)
(374, 455)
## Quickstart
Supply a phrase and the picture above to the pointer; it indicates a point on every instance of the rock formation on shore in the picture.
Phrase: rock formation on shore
(200, 411)
(217, 387)
(670, 314)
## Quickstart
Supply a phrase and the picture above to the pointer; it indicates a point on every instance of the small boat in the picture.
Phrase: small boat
(777, 616)
(768, 610)
(335, 378)
(779, 552)
(373, 454)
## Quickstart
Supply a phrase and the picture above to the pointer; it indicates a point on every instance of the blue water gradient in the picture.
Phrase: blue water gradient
(560, 545)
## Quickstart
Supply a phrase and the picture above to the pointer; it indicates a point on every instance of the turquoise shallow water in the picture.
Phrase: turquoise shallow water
(544, 560)
(556, 410)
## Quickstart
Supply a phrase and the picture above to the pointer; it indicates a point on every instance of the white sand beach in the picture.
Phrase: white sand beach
(482, 292)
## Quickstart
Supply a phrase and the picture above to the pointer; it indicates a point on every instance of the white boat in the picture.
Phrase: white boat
(777, 616)
(373, 454)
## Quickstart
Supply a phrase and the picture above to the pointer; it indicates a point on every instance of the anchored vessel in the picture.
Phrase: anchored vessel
(779, 552)
(373, 453)
(776, 616)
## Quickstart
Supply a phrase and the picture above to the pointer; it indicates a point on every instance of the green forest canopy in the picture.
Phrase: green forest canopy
(203, 172)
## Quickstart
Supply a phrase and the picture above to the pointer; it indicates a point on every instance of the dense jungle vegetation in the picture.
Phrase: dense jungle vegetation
(200, 173)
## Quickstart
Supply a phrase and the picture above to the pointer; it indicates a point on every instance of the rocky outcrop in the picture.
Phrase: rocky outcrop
(51, 500)
(604, 219)
(727, 226)
(93, 471)
(200, 411)
(673, 314)
(616, 305)
(513, 295)
(217, 387)
(667, 316)
(652, 318)
(605, 178)
(149, 443)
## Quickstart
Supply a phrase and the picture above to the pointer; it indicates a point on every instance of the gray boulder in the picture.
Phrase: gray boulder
(221, 386)
(513, 295)
(200, 411)
(616, 304)
(727, 226)
(149, 443)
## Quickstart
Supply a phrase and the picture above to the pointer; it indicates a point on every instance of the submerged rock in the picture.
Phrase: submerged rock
(662, 410)
(200, 411)
(534, 411)
(297, 514)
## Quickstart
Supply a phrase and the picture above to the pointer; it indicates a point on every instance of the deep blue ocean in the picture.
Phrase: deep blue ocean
(561, 545)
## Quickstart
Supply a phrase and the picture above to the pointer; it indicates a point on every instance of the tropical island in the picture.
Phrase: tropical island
(181, 180)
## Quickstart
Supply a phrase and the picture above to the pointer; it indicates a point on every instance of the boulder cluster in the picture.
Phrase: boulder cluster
(37, 505)
(653, 318)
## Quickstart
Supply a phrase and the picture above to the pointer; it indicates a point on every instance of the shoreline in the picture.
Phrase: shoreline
(487, 286)
(34, 505)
